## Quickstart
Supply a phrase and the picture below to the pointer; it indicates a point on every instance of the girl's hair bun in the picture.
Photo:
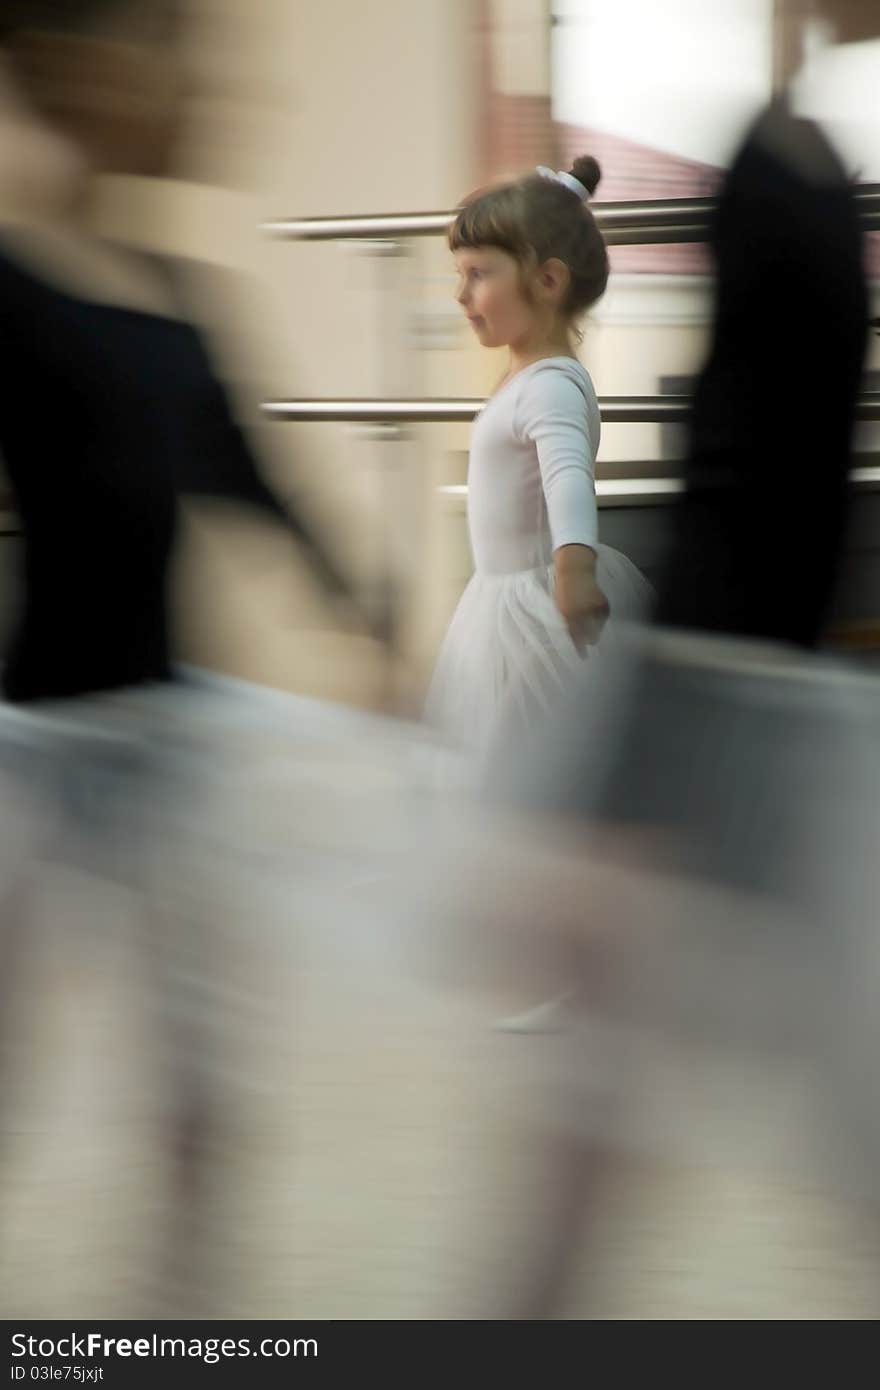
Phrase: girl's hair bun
(586, 170)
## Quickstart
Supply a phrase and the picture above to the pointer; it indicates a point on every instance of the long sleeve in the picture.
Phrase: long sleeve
(553, 414)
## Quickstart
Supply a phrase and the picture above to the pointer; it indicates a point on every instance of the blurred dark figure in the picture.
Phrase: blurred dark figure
(111, 408)
(759, 531)
(110, 411)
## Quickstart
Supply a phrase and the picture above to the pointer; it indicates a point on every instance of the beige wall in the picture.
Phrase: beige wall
(521, 48)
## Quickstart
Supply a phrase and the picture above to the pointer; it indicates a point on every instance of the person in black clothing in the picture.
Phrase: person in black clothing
(111, 410)
(759, 532)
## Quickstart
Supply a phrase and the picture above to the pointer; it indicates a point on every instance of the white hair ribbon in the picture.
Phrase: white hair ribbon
(568, 179)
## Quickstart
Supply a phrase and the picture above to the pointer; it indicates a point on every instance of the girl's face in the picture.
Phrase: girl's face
(491, 294)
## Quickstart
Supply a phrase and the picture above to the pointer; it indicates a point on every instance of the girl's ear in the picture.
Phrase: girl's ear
(553, 277)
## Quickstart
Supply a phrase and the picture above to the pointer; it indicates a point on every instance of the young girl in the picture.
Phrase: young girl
(531, 261)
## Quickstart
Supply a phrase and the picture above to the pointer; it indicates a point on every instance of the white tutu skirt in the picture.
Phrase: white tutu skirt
(508, 655)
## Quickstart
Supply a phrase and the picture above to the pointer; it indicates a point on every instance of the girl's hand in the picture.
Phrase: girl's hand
(578, 596)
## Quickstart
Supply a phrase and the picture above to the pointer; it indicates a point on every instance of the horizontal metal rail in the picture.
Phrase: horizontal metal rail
(654, 491)
(616, 410)
(610, 492)
(644, 223)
